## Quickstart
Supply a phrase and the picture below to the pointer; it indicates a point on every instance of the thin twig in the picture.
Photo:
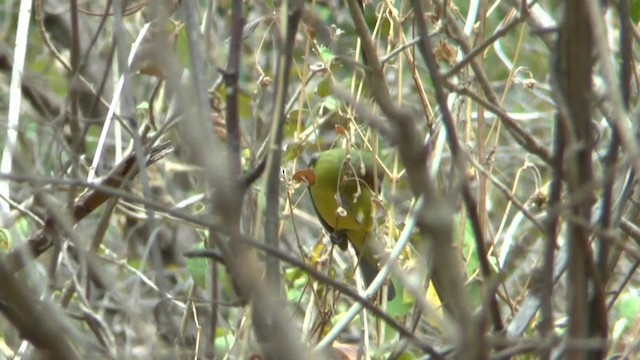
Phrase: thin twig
(293, 11)
(85, 204)
(457, 153)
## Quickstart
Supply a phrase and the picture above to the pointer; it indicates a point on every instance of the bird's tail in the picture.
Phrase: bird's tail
(370, 271)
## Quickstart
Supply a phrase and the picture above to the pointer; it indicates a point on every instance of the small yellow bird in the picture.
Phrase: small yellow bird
(342, 195)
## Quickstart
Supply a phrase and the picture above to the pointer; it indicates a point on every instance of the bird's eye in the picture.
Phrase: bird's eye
(314, 159)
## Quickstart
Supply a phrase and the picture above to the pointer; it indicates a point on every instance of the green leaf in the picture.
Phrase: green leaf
(244, 106)
(291, 124)
(402, 304)
(629, 307)
(142, 106)
(293, 150)
(326, 55)
(297, 280)
(224, 339)
(182, 46)
(463, 233)
(329, 104)
(4, 240)
(22, 227)
(635, 11)
(198, 267)
(55, 81)
(407, 356)
(324, 88)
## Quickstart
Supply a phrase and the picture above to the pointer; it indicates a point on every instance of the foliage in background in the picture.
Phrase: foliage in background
(117, 279)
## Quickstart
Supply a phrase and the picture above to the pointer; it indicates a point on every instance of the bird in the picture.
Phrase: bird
(342, 193)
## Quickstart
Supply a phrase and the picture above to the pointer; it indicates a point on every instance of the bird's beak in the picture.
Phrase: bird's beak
(306, 176)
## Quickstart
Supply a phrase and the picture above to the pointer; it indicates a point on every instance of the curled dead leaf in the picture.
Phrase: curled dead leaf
(340, 130)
